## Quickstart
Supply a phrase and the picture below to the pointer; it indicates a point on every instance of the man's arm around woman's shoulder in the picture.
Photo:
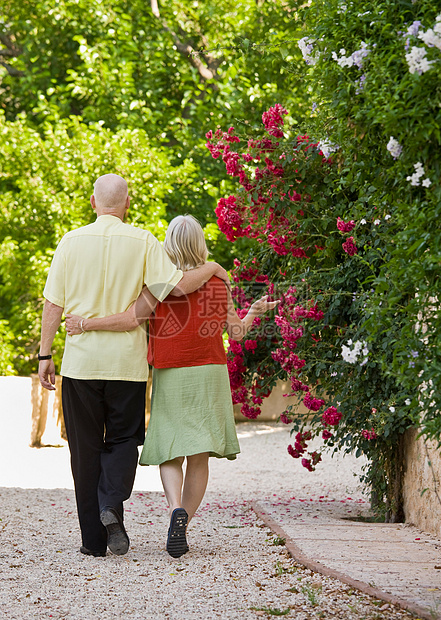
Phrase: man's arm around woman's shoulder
(195, 278)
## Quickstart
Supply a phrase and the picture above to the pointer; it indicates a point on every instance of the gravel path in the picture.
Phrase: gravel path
(236, 567)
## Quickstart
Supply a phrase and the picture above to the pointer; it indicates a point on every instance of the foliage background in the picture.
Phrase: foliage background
(386, 294)
(88, 87)
(91, 86)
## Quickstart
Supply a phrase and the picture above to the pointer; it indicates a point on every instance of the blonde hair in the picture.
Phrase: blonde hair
(185, 243)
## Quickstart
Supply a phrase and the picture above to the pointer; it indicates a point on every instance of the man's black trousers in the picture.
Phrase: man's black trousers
(104, 425)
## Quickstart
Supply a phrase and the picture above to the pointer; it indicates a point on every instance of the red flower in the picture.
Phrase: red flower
(250, 412)
(307, 463)
(234, 347)
(345, 226)
(298, 386)
(315, 313)
(293, 453)
(331, 416)
(251, 345)
(349, 246)
(313, 403)
(274, 119)
(306, 436)
(299, 447)
(369, 434)
(316, 457)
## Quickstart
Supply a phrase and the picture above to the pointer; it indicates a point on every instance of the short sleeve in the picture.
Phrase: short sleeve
(54, 291)
(160, 275)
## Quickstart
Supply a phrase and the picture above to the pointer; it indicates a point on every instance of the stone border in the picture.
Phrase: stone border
(297, 554)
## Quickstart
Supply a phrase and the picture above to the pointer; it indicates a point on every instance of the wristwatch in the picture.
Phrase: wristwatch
(44, 357)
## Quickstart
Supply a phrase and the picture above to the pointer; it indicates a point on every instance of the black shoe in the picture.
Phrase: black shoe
(176, 539)
(117, 539)
(96, 554)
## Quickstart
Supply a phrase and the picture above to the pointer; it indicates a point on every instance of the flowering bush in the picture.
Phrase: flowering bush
(290, 203)
(392, 148)
(358, 334)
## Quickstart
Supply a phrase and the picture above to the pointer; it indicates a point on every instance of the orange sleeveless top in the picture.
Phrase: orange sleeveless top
(187, 331)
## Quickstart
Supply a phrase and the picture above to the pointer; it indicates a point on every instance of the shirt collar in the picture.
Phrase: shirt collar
(105, 219)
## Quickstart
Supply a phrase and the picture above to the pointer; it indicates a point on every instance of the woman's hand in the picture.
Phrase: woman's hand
(73, 324)
(262, 305)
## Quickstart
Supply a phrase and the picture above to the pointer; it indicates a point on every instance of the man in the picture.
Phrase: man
(97, 270)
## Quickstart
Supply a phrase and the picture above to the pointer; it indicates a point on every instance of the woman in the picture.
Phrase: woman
(191, 409)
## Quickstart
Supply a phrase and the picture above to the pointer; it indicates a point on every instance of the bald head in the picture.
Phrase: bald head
(110, 192)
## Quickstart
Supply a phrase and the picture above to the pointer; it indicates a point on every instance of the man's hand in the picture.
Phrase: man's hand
(222, 274)
(195, 278)
(49, 325)
(46, 373)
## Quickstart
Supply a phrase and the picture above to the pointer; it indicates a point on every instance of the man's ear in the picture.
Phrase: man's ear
(92, 202)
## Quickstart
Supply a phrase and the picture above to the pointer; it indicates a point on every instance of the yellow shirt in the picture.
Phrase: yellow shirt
(99, 270)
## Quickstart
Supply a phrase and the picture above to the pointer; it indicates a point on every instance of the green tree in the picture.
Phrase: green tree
(155, 67)
(46, 179)
(87, 87)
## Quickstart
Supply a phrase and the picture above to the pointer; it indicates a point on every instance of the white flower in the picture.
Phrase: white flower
(414, 179)
(356, 58)
(430, 38)
(348, 355)
(416, 176)
(426, 183)
(392, 409)
(359, 55)
(351, 355)
(306, 46)
(387, 217)
(345, 61)
(394, 147)
(326, 147)
(417, 61)
(363, 221)
(407, 401)
(376, 222)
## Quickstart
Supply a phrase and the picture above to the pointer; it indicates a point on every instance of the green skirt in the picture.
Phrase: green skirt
(191, 413)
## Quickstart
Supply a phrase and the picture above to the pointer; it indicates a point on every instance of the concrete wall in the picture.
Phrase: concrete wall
(40, 407)
(40, 399)
(422, 471)
(272, 407)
